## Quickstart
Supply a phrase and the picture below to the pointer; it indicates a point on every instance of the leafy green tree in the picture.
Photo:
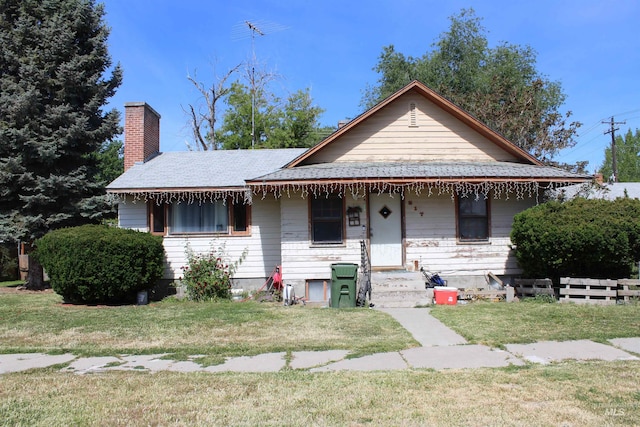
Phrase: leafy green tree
(297, 124)
(110, 159)
(294, 124)
(500, 86)
(236, 130)
(627, 158)
(55, 78)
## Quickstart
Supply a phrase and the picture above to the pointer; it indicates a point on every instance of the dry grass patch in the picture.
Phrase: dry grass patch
(569, 394)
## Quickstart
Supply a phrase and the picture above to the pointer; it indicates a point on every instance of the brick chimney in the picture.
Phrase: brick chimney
(141, 133)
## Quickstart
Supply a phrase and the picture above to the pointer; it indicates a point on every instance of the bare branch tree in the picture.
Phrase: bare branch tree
(202, 120)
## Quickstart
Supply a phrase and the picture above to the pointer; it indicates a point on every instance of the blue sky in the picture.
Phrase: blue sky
(592, 47)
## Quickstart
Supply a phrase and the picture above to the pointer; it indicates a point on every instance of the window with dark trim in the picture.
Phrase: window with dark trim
(240, 218)
(473, 218)
(327, 219)
(157, 218)
(215, 217)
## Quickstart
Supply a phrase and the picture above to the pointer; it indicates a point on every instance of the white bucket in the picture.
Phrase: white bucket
(288, 295)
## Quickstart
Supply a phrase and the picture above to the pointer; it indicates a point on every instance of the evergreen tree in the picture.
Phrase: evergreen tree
(55, 78)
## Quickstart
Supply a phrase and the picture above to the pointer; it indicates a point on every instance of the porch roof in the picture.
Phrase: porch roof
(423, 171)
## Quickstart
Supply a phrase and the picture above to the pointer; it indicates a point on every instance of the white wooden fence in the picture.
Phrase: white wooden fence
(582, 291)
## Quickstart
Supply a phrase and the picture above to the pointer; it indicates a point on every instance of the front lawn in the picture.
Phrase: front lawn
(568, 393)
(39, 322)
(496, 324)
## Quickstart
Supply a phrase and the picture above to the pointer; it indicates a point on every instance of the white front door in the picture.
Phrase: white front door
(385, 230)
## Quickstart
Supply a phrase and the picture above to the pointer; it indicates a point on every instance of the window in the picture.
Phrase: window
(240, 215)
(157, 218)
(473, 218)
(318, 290)
(327, 220)
(205, 217)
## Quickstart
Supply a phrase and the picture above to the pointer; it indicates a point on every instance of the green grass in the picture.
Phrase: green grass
(11, 283)
(496, 324)
(39, 322)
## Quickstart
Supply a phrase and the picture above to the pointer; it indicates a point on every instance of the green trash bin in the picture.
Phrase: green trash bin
(343, 285)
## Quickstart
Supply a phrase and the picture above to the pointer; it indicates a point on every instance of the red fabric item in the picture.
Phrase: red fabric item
(277, 280)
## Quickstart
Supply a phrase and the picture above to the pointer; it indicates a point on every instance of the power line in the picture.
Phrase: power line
(581, 145)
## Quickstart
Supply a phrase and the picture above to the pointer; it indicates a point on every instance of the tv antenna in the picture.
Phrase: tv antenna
(259, 28)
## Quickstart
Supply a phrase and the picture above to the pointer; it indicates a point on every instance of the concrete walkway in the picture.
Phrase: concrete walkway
(441, 349)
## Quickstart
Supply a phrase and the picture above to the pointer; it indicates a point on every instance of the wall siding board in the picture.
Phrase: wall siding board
(263, 245)
(431, 237)
(300, 259)
(430, 227)
(387, 136)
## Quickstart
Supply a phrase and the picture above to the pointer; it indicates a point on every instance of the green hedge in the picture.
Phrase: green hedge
(100, 264)
(579, 238)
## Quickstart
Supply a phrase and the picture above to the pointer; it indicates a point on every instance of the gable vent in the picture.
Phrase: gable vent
(413, 115)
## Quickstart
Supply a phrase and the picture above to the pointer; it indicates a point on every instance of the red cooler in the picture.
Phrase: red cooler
(445, 295)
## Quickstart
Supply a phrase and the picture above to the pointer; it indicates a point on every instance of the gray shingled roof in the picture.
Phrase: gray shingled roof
(429, 170)
(203, 169)
(608, 191)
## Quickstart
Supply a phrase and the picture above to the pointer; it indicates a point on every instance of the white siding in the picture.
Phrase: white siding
(280, 235)
(431, 237)
(262, 246)
(300, 259)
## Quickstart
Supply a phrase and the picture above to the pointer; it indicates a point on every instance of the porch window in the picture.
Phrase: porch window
(214, 217)
(473, 218)
(327, 219)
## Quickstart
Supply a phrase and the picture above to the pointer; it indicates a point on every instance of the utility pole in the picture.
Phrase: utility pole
(614, 162)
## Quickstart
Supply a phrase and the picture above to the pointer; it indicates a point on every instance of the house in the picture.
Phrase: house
(418, 179)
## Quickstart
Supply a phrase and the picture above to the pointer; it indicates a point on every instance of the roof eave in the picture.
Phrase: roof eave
(405, 180)
(174, 189)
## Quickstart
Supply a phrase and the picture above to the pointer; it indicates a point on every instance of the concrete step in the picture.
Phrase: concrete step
(404, 300)
(391, 289)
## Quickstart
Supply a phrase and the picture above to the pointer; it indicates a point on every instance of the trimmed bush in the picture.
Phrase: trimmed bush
(99, 264)
(599, 239)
